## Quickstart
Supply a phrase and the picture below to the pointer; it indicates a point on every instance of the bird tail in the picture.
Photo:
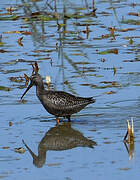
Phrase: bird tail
(92, 100)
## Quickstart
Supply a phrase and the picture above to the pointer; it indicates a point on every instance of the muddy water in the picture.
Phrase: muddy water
(86, 53)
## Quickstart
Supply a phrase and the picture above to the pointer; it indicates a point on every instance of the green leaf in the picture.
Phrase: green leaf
(131, 21)
(108, 51)
(3, 88)
(13, 17)
(131, 41)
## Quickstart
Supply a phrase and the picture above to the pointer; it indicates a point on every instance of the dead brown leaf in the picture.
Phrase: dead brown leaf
(10, 123)
(26, 32)
(27, 80)
(127, 29)
(107, 82)
(110, 92)
(19, 41)
(134, 14)
(5, 147)
(2, 51)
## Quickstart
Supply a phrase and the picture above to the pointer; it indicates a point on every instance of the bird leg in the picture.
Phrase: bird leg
(68, 117)
(57, 120)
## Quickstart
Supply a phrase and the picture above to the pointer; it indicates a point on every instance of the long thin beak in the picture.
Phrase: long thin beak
(31, 152)
(30, 85)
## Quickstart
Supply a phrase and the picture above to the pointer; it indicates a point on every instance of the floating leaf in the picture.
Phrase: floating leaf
(13, 71)
(16, 79)
(131, 21)
(53, 164)
(131, 41)
(114, 70)
(5, 147)
(106, 35)
(12, 32)
(127, 29)
(76, 15)
(13, 17)
(26, 19)
(19, 41)
(85, 84)
(1, 43)
(3, 88)
(27, 80)
(20, 150)
(110, 92)
(66, 82)
(10, 123)
(46, 18)
(134, 14)
(2, 51)
(114, 51)
(112, 83)
(81, 62)
(19, 32)
(109, 82)
(107, 86)
(78, 54)
(136, 84)
(135, 60)
(69, 32)
(5, 14)
(60, 25)
(23, 101)
(107, 142)
(10, 9)
(125, 168)
(26, 32)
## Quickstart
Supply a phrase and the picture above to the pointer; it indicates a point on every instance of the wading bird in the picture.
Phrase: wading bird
(58, 103)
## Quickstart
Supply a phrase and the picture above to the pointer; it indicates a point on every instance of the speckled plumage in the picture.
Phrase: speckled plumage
(58, 103)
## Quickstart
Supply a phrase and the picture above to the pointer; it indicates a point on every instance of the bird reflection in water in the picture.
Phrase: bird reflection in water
(58, 138)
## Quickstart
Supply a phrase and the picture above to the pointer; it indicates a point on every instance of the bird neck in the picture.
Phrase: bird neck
(40, 87)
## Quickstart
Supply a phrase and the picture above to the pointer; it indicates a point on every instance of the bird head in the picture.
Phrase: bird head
(35, 78)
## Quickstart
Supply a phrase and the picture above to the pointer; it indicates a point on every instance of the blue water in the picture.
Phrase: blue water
(75, 64)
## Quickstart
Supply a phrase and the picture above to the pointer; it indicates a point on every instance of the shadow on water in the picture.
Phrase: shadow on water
(130, 147)
(59, 138)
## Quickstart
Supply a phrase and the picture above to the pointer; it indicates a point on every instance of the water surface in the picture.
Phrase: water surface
(86, 53)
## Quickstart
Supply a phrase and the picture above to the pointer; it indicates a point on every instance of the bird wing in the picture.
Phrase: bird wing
(61, 98)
